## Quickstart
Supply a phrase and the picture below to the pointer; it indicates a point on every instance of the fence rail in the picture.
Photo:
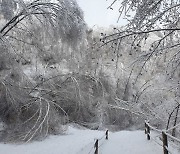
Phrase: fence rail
(165, 136)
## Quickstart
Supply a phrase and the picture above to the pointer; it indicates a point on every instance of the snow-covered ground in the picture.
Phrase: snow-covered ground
(81, 141)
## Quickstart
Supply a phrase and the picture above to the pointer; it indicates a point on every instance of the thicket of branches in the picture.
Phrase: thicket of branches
(33, 30)
(53, 70)
(37, 98)
(153, 28)
(144, 18)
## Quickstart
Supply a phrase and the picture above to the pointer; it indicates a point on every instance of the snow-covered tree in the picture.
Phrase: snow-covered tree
(33, 30)
(153, 27)
(145, 18)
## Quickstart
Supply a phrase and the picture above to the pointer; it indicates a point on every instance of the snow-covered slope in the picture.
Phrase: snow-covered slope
(81, 141)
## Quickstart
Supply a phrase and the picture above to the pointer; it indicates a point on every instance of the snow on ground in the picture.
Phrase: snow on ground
(81, 141)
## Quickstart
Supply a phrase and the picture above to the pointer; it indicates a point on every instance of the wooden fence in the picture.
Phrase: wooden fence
(96, 145)
(148, 128)
(165, 136)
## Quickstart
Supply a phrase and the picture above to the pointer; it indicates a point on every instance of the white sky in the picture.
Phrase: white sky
(96, 13)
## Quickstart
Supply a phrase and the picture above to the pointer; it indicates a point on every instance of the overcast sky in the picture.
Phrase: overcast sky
(96, 13)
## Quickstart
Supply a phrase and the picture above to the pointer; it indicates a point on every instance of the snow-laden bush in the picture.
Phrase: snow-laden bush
(33, 113)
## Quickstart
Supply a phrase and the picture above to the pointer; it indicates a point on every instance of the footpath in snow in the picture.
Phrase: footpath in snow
(78, 141)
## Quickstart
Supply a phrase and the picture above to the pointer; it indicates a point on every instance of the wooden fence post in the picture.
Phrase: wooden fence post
(147, 131)
(107, 135)
(165, 142)
(145, 128)
(96, 147)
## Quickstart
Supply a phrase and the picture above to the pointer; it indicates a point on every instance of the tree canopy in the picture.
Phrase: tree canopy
(147, 17)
